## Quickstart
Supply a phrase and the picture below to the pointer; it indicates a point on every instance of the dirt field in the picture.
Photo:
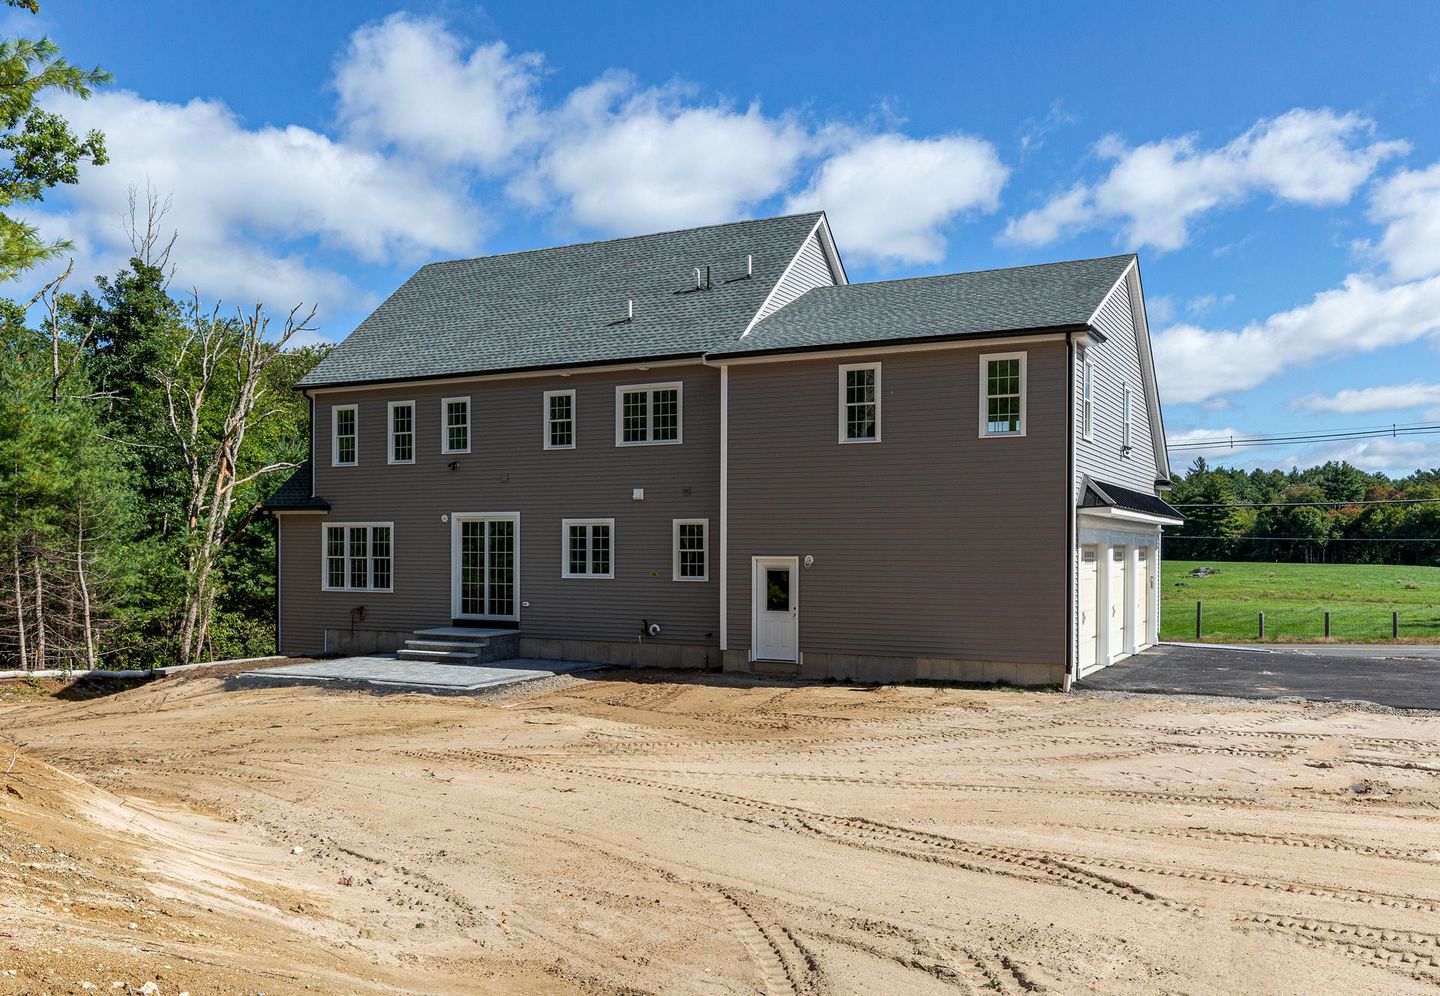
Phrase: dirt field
(651, 832)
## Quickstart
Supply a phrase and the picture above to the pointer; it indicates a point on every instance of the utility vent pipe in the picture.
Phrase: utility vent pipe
(697, 278)
(630, 310)
(749, 265)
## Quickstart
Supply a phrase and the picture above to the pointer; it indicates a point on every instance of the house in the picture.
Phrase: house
(708, 448)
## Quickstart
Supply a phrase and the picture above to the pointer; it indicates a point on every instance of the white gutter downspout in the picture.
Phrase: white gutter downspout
(724, 511)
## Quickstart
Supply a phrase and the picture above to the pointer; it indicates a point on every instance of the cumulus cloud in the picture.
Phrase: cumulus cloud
(407, 82)
(626, 159)
(1409, 205)
(890, 197)
(1361, 315)
(1415, 394)
(247, 202)
(1156, 191)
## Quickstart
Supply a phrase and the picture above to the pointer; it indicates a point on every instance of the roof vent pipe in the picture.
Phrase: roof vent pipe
(749, 265)
(630, 310)
(707, 278)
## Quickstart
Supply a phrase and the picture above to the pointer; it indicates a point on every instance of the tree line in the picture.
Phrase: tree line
(1316, 515)
(140, 428)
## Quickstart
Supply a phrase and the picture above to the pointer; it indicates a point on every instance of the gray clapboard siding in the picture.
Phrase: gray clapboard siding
(811, 269)
(1115, 362)
(932, 543)
(508, 470)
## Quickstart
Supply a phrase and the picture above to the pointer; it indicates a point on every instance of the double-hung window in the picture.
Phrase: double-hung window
(1125, 420)
(860, 403)
(1002, 394)
(402, 431)
(455, 425)
(588, 548)
(358, 556)
(559, 420)
(647, 414)
(692, 561)
(344, 435)
(1087, 400)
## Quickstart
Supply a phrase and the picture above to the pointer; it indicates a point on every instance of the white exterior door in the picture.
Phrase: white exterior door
(1119, 609)
(484, 551)
(1145, 596)
(1089, 615)
(776, 609)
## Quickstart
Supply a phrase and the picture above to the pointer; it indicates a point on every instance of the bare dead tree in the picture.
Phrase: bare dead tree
(148, 242)
(218, 379)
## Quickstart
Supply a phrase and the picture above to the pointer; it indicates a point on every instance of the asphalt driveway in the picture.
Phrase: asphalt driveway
(1393, 675)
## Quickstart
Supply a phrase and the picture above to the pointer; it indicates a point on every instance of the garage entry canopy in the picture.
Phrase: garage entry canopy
(1100, 498)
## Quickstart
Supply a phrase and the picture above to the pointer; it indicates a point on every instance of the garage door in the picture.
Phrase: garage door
(1119, 617)
(1089, 617)
(1143, 595)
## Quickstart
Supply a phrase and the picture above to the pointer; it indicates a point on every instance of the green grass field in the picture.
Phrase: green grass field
(1294, 598)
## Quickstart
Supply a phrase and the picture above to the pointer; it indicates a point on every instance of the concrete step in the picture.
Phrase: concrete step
(776, 669)
(462, 645)
(467, 633)
(449, 656)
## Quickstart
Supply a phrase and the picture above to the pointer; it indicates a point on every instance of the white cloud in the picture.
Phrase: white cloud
(890, 197)
(1205, 303)
(1371, 399)
(1409, 202)
(248, 203)
(624, 159)
(1155, 191)
(407, 82)
(1361, 315)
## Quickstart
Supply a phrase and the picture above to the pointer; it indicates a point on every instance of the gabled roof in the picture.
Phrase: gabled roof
(1022, 298)
(294, 494)
(1102, 494)
(567, 306)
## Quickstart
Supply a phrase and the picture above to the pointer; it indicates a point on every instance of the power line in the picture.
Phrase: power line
(1394, 430)
(1306, 504)
(1306, 539)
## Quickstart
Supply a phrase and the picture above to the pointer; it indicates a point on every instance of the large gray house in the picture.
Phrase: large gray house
(708, 448)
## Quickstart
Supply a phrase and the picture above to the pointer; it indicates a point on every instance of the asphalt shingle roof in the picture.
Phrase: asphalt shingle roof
(567, 306)
(295, 493)
(1050, 295)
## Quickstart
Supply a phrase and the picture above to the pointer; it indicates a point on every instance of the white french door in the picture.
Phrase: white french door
(484, 553)
(776, 608)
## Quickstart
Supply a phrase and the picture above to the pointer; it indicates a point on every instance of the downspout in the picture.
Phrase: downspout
(1072, 664)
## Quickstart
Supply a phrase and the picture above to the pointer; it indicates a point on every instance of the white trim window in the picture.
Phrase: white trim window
(400, 417)
(587, 548)
(560, 424)
(860, 403)
(1087, 400)
(1002, 394)
(1125, 420)
(357, 556)
(648, 414)
(691, 544)
(344, 435)
(455, 425)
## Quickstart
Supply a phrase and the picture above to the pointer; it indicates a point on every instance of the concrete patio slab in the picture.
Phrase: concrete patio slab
(385, 671)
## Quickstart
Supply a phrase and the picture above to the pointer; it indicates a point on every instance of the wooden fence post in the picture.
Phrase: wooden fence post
(1394, 625)
(1199, 615)
(1262, 625)
(1327, 625)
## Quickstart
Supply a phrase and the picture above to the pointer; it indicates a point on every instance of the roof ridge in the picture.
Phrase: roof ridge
(624, 238)
(973, 273)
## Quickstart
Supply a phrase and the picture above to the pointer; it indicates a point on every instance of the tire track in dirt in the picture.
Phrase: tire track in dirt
(1403, 952)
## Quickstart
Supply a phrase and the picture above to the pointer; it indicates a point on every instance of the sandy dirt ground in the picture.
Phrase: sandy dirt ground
(654, 832)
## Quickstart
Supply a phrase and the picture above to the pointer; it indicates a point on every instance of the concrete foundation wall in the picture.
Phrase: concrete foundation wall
(364, 641)
(621, 653)
(868, 667)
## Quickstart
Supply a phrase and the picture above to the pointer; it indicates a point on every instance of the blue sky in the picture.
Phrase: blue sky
(1277, 166)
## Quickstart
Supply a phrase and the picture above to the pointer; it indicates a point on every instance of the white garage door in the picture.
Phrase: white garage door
(1089, 616)
(1119, 616)
(1144, 596)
